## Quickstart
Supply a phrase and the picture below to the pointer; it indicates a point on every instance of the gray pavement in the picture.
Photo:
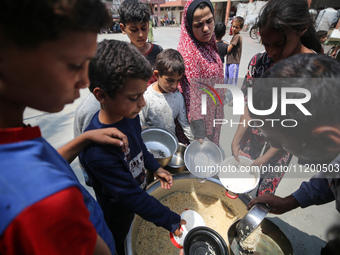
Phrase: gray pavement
(305, 228)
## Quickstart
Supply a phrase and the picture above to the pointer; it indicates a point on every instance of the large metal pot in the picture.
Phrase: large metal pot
(187, 183)
(161, 143)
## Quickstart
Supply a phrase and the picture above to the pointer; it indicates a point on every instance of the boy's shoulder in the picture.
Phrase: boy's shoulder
(236, 38)
(222, 44)
(155, 49)
(150, 91)
(238, 35)
(152, 53)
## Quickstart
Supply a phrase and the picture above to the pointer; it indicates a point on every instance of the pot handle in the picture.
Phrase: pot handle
(230, 196)
(201, 180)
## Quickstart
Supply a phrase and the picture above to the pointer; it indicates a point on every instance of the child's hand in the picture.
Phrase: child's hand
(102, 136)
(109, 136)
(164, 177)
(260, 161)
(178, 231)
(200, 140)
(236, 151)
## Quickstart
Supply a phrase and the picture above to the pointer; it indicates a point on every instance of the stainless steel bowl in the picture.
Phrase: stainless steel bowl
(161, 143)
(203, 160)
(176, 164)
(251, 221)
(272, 240)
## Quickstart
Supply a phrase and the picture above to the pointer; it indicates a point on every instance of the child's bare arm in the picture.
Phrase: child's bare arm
(164, 177)
(103, 136)
(265, 157)
(183, 120)
(230, 47)
(241, 130)
(101, 247)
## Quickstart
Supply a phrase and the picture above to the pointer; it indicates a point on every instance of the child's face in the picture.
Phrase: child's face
(203, 24)
(137, 32)
(275, 45)
(167, 83)
(305, 146)
(50, 75)
(127, 102)
(323, 39)
(236, 28)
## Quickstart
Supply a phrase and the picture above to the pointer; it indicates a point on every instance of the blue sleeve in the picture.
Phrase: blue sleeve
(118, 183)
(149, 161)
(315, 192)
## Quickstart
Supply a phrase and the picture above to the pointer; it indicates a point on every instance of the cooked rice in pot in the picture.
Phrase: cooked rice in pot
(152, 240)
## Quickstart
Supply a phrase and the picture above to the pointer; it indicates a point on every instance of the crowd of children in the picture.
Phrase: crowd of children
(119, 75)
(133, 85)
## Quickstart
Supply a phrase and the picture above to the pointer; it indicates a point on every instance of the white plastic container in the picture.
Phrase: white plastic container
(239, 177)
(193, 220)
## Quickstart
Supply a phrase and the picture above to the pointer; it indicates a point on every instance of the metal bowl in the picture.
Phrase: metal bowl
(272, 240)
(161, 143)
(251, 220)
(203, 160)
(176, 164)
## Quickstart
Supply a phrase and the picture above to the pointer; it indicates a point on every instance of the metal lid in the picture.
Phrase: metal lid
(204, 241)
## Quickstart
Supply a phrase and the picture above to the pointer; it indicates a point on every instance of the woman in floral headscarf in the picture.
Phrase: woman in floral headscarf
(203, 69)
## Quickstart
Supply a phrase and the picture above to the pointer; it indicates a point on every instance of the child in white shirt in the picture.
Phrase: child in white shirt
(164, 103)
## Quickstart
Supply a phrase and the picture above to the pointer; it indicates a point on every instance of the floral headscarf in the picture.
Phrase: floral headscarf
(202, 66)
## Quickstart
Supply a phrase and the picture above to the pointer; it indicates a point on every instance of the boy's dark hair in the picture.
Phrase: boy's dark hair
(317, 73)
(170, 62)
(321, 34)
(289, 16)
(133, 11)
(239, 20)
(220, 29)
(27, 23)
(114, 63)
